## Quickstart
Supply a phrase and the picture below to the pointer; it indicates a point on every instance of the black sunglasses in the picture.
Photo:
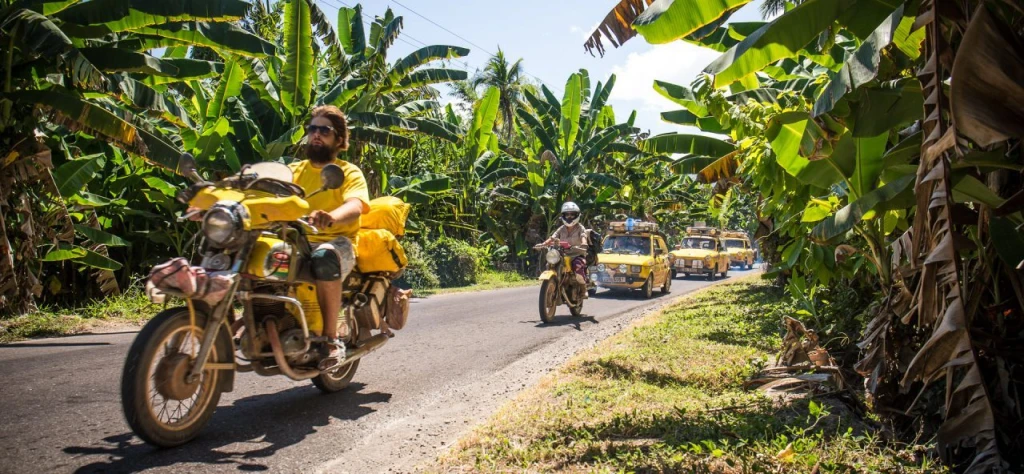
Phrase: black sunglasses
(321, 129)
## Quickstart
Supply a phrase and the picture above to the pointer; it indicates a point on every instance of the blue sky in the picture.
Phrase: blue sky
(549, 36)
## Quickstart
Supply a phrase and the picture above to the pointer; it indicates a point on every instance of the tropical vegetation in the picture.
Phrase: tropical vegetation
(882, 143)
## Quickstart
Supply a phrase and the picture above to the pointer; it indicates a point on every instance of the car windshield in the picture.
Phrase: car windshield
(734, 244)
(627, 244)
(698, 243)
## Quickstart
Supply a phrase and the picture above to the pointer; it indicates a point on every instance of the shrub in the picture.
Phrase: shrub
(419, 274)
(456, 262)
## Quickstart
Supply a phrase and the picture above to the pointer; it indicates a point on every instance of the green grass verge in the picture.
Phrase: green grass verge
(666, 396)
(489, 280)
(129, 308)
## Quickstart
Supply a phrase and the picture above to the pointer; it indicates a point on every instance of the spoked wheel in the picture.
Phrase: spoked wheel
(548, 300)
(161, 405)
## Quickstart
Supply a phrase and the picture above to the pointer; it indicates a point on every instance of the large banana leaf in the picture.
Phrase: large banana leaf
(98, 18)
(423, 56)
(889, 106)
(297, 76)
(847, 217)
(344, 91)
(377, 136)
(682, 96)
(437, 129)
(481, 132)
(188, 69)
(48, 7)
(424, 77)
(381, 120)
(117, 59)
(230, 85)
(572, 103)
(224, 36)
(35, 35)
(416, 107)
(787, 35)
(72, 176)
(325, 33)
(547, 137)
(350, 30)
(670, 20)
(140, 95)
(687, 144)
(860, 68)
(795, 139)
(685, 117)
(100, 237)
(85, 115)
(867, 158)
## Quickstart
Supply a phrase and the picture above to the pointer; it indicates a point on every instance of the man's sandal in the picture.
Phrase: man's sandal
(335, 356)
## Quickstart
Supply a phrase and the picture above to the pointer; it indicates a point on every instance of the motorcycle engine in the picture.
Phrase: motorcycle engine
(292, 345)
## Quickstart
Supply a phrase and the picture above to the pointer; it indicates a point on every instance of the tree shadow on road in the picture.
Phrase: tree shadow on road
(250, 429)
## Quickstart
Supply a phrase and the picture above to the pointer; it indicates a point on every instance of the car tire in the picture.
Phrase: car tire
(714, 271)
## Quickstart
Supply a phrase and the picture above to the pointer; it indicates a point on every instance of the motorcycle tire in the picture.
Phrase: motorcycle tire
(142, 366)
(592, 291)
(548, 302)
(338, 379)
(576, 310)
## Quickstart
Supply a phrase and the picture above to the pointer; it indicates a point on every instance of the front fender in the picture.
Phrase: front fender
(547, 275)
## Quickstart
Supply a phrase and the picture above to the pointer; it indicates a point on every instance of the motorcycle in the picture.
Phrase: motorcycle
(559, 284)
(255, 254)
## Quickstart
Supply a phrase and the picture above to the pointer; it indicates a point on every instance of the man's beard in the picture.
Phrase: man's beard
(320, 154)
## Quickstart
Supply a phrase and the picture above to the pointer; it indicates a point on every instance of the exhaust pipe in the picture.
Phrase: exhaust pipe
(368, 346)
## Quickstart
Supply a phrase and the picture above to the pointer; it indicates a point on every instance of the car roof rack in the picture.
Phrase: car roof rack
(703, 231)
(639, 227)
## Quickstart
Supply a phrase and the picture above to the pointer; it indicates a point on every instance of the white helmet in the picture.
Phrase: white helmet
(570, 213)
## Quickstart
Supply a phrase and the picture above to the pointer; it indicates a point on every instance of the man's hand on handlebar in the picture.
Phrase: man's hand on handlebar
(321, 219)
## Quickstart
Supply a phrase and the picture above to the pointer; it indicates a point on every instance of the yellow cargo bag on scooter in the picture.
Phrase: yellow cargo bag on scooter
(388, 213)
(377, 250)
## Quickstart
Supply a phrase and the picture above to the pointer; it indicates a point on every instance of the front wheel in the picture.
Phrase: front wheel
(725, 273)
(548, 300)
(667, 287)
(648, 288)
(161, 405)
(711, 276)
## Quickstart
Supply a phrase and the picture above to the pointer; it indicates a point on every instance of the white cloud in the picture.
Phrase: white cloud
(677, 62)
(575, 29)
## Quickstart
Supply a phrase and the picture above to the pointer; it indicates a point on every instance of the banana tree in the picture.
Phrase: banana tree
(83, 67)
(883, 64)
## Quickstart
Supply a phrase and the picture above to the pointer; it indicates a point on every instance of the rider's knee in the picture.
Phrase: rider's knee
(332, 261)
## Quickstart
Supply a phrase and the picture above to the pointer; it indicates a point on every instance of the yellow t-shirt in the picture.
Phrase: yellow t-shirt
(307, 177)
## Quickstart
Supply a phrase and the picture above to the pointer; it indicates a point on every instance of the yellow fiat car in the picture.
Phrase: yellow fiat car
(737, 245)
(634, 256)
(701, 253)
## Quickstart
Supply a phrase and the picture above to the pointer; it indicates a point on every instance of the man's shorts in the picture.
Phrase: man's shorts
(334, 260)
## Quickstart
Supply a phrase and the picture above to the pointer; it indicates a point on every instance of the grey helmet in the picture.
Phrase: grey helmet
(570, 213)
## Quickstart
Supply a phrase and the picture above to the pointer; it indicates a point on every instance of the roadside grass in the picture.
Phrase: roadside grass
(129, 308)
(666, 396)
(488, 280)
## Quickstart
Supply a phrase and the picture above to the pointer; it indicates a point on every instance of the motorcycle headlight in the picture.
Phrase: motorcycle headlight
(552, 257)
(222, 225)
(623, 268)
(635, 268)
(601, 268)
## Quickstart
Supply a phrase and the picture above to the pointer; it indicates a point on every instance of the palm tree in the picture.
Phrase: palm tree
(509, 80)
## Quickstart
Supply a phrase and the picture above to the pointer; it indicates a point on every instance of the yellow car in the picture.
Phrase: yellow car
(701, 253)
(737, 245)
(633, 258)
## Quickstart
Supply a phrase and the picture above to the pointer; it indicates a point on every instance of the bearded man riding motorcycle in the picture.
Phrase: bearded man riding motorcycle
(575, 234)
(336, 214)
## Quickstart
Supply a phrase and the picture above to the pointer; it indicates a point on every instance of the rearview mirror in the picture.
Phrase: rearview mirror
(187, 167)
(332, 176)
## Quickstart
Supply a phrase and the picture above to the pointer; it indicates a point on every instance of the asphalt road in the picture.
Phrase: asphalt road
(460, 356)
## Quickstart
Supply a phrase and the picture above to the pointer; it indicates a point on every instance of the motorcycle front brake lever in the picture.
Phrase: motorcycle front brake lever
(310, 228)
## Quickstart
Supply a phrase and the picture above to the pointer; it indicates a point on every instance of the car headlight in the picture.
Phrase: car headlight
(623, 268)
(593, 277)
(222, 224)
(601, 268)
(636, 268)
(552, 257)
